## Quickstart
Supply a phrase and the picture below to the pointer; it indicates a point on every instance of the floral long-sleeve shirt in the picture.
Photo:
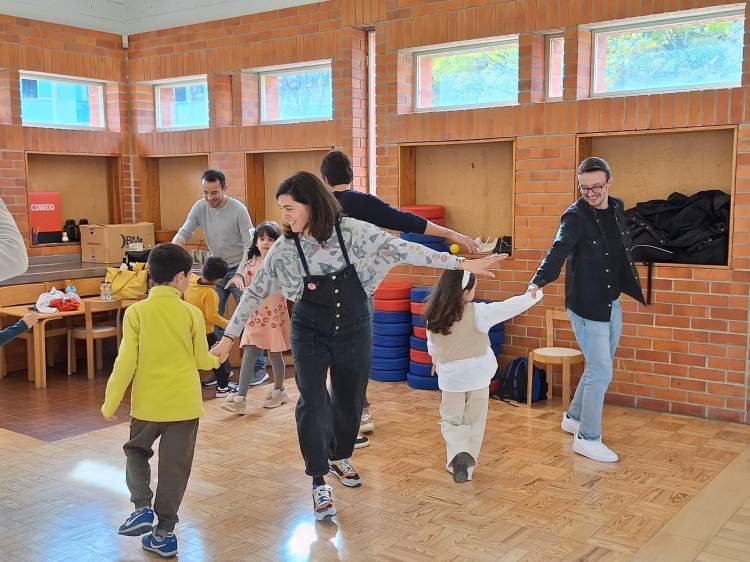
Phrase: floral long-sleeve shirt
(372, 251)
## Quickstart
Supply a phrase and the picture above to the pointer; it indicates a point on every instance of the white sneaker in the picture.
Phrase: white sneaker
(569, 425)
(237, 405)
(366, 425)
(594, 449)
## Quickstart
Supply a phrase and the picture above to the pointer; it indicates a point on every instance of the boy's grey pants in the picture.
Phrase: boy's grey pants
(176, 448)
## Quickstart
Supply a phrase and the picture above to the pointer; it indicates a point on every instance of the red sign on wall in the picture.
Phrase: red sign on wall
(45, 211)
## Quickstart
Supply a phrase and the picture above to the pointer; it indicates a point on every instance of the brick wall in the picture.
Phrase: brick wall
(687, 353)
(42, 47)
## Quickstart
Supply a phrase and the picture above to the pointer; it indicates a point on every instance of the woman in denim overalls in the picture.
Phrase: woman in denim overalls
(330, 266)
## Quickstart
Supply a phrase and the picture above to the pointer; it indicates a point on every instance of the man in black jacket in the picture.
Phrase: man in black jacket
(594, 238)
(336, 170)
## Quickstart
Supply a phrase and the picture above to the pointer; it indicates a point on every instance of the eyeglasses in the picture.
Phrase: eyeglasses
(595, 189)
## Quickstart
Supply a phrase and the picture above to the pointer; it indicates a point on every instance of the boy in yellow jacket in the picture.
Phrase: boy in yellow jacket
(202, 293)
(163, 346)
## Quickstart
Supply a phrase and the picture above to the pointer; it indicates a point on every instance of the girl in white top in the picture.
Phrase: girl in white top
(458, 341)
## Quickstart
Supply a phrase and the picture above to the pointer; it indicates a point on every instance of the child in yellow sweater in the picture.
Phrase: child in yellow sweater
(202, 293)
(163, 346)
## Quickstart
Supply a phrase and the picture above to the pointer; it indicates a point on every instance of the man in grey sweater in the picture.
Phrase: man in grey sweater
(227, 228)
(13, 254)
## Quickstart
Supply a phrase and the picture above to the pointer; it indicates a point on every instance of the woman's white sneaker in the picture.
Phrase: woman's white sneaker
(594, 449)
(323, 502)
(569, 425)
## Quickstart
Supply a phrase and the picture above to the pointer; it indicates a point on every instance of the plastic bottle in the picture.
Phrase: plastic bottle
(103, 290)
(70, 288)
(107, 291)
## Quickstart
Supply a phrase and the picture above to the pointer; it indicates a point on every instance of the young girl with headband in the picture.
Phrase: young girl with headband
(458, 341)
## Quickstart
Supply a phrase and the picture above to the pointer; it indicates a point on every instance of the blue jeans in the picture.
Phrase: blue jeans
(260, 364)
(598, 342)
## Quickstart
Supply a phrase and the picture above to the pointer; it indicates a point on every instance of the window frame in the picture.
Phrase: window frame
(459, 48)
(295, 68)
(99, 84)
(733, 11)
(548, 59)
(179, 83)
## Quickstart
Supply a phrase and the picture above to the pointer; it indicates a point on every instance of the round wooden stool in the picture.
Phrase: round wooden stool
(552, 355)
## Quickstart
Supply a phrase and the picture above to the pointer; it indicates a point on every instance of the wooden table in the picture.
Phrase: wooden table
(40, 362)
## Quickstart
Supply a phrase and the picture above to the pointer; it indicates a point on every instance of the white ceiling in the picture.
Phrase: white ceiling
(137, 16)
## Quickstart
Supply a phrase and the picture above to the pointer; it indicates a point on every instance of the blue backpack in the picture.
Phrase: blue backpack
(512, 383)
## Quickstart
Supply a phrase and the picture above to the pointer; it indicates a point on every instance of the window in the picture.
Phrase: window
(52, 101)
(299, 93)
(182, 105)
(698, 51)
(555, 66)
(476, 75)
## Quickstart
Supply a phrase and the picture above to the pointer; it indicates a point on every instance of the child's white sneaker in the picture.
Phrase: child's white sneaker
(276, 398)
(569, 425)
(236, 405)
(594, 449)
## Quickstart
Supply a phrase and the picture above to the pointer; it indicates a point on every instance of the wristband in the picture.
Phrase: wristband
(228, 337)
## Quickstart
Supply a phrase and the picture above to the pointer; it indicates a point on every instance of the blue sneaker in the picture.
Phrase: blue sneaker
(165, 547)
(140, 521)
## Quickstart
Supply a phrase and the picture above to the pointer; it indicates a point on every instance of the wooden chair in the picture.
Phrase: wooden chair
(27, 294)
(92, 332)
(552, 355)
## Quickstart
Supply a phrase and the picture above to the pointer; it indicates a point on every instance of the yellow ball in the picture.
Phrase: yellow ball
(455, 248)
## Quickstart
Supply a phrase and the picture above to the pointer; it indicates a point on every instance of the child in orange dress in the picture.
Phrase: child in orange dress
(268, 329)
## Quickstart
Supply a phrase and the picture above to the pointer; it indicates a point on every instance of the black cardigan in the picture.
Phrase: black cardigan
(588, 272)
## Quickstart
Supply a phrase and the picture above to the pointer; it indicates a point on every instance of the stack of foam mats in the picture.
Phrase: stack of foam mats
(391, 329)
(433, 213)
(420, 364)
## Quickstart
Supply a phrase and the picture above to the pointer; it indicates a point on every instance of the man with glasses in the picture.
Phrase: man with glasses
(594, 238)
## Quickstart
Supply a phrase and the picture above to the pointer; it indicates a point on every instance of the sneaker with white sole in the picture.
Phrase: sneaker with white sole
(366, 425)
(259, 377)
(323, 502)
(166, 547)
(346, 473)
(594, 449)
(140, 521)
(361, 442)
(277, 398)
(236, 404)
(569, 425)
(222, 391)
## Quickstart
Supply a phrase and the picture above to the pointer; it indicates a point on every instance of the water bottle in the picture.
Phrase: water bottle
(70, 289)
(103, 290)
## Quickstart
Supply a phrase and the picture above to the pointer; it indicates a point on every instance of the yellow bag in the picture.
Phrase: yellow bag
(128, 284)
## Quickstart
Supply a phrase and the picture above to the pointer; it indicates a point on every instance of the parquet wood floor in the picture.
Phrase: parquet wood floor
(532, 498)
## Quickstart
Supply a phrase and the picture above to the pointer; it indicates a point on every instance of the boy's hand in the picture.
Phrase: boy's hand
(31, 318)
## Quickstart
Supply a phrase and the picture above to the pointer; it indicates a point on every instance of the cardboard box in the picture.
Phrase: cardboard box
(107, 243)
